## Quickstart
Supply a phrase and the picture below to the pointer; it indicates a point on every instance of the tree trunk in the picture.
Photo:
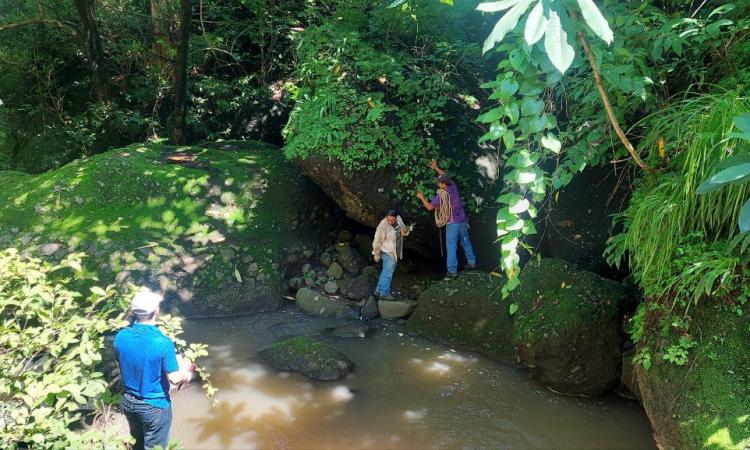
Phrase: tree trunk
(164, 20)
(94, 50)
(178, 116)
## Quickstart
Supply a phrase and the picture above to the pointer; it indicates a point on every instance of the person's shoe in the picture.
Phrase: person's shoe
(471, 266)
(388, 297)
(449, 275)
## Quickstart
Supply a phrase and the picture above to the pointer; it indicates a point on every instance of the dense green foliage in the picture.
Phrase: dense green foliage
(697, 133)
(374, 97)
(239, 53)
(549, 123)
(372, 87)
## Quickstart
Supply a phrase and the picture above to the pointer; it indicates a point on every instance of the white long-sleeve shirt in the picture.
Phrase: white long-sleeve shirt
(387, 239)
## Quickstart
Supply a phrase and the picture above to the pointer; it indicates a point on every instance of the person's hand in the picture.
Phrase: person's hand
(420, 195)
(433, 164)
(376, 258)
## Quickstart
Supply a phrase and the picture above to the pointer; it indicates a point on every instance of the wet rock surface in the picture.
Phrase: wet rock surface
(355, 330)
(319, 304)
(396, 309)
(308, 356)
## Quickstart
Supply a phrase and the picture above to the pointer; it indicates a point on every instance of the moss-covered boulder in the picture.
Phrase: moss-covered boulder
(566, 330)
(466, 312)
(310, 357)
(704, 403)
(568, 327)
(206, 224)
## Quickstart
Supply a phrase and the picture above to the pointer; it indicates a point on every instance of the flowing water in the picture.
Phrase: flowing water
(405, 392)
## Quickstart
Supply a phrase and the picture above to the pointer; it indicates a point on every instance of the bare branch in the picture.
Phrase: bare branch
(57, 23)
(607, 105)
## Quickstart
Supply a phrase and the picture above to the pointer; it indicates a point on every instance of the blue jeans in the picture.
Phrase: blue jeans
(386, 275)
(455, 232)
(149, 425)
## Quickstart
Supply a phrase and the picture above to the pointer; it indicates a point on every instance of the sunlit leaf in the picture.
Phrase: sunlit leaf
(536, 24)
(520, 206)
(506, 23)
(559, 51)
(596, 21)
(396, 3)
(552, 143)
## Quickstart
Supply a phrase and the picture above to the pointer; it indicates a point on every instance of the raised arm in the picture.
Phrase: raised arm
(434, 166)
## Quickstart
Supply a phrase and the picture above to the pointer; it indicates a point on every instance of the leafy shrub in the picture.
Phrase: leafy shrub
(51, 345)
(51, 337)
(371, 107)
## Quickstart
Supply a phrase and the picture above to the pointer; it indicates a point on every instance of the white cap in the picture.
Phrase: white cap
(145, 301)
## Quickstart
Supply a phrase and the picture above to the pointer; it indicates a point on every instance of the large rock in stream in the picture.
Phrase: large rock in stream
(567, 329)
(466, 312)
(308, 356)
(207, 225)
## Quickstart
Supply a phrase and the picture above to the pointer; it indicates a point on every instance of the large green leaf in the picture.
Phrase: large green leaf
(531, 106)
(536, 24)
(744, 220)
(596, 21)
(396, 3)
(743, 124)
(556, 45)
(508, 87)
(730, 174)
(733, 161)
(506, 23)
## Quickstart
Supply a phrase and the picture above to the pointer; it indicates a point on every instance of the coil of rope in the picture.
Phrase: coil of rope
(444, 211)
(443, 214)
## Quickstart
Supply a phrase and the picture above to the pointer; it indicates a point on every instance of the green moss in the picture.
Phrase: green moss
(467, 312)
(136, 209)
(308, 356)
(557, 300)
(705, 404)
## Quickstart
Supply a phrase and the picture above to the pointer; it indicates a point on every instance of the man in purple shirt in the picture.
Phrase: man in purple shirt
(456, 230)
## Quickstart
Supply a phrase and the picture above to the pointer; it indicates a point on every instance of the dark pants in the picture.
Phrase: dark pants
(149, 425)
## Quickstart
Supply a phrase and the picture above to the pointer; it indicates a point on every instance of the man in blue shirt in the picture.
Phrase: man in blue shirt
(148, 365)
(456, 229)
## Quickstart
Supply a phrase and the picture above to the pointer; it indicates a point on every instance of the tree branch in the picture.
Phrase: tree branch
(57, 23)
(607, 105)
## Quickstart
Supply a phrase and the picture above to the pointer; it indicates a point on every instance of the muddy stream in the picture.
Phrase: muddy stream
(405, 392)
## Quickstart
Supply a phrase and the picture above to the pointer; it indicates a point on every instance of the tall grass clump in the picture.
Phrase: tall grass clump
(694, 135)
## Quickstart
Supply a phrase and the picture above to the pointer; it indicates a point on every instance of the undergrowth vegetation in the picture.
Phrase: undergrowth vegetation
(676, 240)
(54, 321)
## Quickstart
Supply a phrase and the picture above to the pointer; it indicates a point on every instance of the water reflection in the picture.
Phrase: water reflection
(404, 393)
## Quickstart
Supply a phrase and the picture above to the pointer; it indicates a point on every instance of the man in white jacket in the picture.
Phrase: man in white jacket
(388, 246)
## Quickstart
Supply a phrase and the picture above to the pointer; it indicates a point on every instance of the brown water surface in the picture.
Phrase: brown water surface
(405, 392)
